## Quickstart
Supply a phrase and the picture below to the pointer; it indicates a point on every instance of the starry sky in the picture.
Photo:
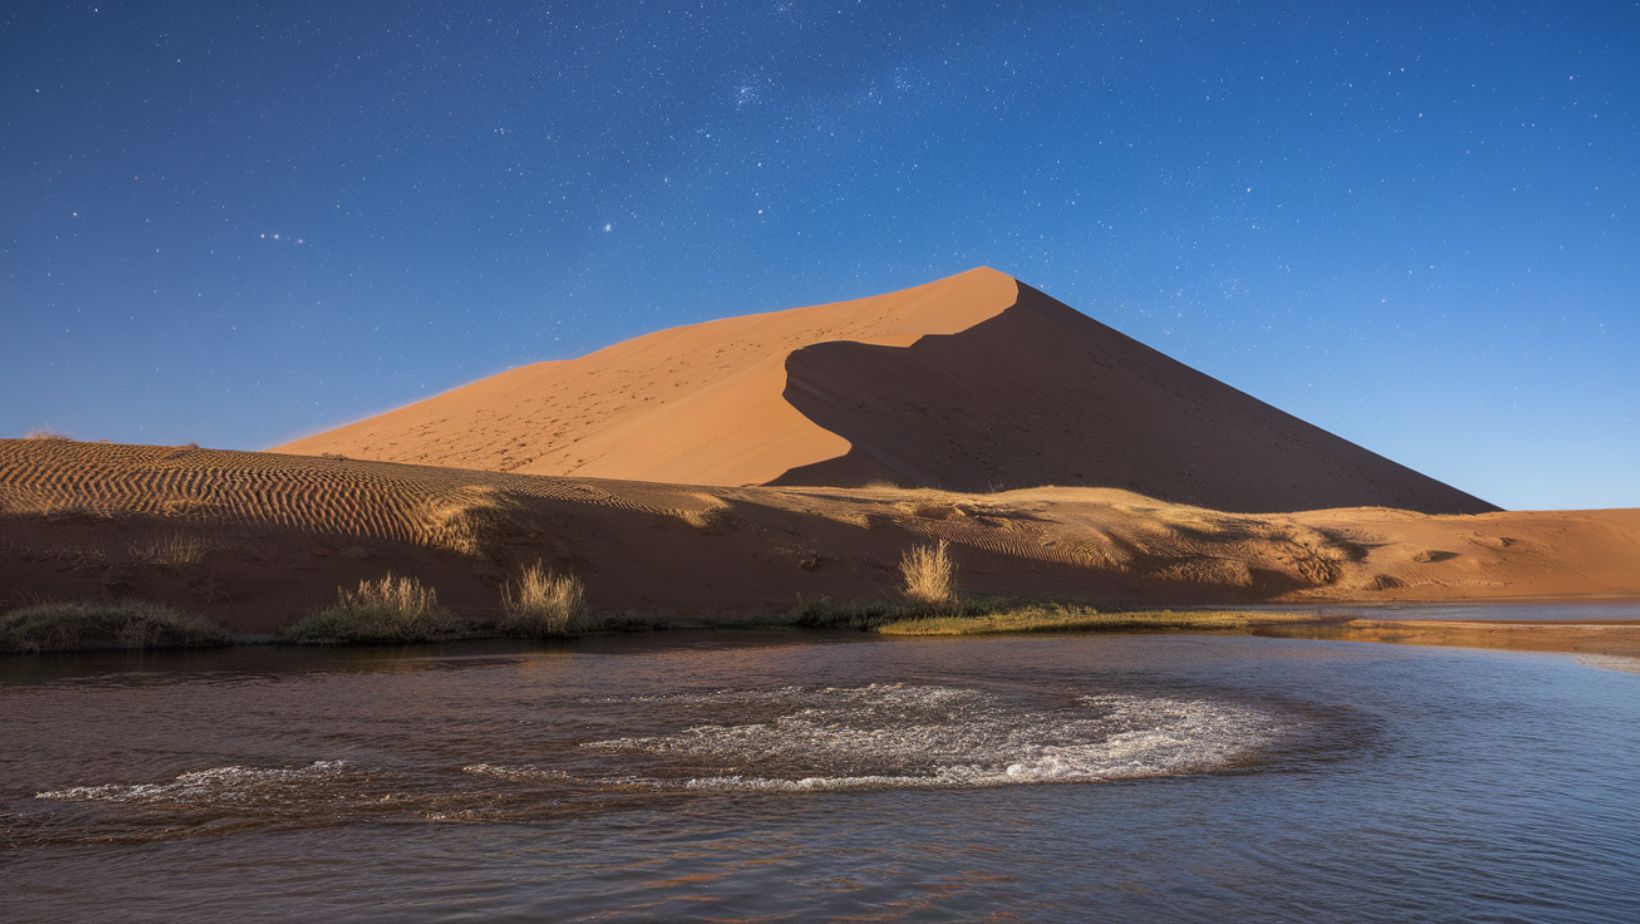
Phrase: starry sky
(1415, 224)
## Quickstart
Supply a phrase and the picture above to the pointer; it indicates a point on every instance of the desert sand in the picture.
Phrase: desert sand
(972, 383)
(257, 540)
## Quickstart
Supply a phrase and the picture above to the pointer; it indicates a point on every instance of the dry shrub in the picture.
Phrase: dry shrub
(388, 609)
(540, 603)
(929, 575)
(404, 595)
(45, 433)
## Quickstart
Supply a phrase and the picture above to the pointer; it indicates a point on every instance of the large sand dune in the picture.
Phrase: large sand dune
(971, 383)
(259, 539)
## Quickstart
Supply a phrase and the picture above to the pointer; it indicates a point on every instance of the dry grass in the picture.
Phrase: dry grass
(46, 433)
(387, 610)
(1067, 618)
(929, 575)
(539, 603)
(120, 626)
(171, 551)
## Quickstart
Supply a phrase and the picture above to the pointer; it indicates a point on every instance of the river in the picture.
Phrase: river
(795, 776)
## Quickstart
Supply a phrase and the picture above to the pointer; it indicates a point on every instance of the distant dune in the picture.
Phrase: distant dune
(257, 540)
(972, 383)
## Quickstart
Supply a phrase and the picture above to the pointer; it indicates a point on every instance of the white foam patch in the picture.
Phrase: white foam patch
(217, 785)
(517, 774)
(893, 736)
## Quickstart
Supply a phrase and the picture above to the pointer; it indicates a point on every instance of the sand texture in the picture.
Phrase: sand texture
(973, 383)
(257, 540)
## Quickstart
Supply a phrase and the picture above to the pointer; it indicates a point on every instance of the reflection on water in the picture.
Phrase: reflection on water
(1558, 611)
(802, 776)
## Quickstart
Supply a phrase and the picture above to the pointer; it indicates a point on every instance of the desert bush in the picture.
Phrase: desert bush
(45, 433)
(540, 603)
(387, 610)
(928, 575)
(124, 626)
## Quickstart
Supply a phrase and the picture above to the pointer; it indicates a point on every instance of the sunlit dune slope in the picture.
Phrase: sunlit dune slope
(259, 539)
(700, 404)
(972, 383)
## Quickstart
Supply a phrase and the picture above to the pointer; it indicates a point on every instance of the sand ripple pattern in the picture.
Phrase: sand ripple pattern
(436, 507)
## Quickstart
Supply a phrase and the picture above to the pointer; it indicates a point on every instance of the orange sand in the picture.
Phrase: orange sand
(971, 383)
(256, 540)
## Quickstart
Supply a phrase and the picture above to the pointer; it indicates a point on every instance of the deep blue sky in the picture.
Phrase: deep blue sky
(1415, 225)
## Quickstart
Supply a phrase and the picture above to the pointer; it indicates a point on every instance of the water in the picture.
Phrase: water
(791, 776)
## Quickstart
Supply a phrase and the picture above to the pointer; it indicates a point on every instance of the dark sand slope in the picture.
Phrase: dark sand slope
(1044, 395)
(257, 540)
(971, 383)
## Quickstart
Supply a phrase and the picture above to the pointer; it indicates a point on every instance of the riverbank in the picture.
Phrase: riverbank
(1620, 639)
(256, 541)
(1607, 637)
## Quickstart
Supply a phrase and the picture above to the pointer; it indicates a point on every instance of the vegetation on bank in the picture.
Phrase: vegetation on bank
(928, 576)
(384, 611)
(537, 603)
(126, 625)
(1057, 617)
(541, 604)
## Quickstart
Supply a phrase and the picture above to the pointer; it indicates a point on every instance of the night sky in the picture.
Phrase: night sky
(1415, 225)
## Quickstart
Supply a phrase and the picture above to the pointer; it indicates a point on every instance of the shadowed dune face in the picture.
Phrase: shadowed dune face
(973, 383)
(1044, 395)
(258, 540)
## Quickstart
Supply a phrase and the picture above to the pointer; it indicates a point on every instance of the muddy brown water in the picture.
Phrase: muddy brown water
(793, 776)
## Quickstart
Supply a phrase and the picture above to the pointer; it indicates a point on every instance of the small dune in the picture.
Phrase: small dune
(257, 541)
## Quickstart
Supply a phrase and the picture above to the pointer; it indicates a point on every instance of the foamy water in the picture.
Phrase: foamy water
(240, 785)
(896, 735)
(877, 736)
(1054, 778)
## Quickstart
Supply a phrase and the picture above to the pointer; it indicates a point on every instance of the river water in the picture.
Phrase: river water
(779, 776)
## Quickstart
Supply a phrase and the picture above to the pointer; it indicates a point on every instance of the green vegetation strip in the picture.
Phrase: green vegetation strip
(1055, 618)
(128, 625)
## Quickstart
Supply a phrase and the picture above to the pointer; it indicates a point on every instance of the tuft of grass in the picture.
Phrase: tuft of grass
(46, 433)
(929, 575)
(170, 551)
(539, 603)
(127, 625)
(1057, 617)
(384, 611)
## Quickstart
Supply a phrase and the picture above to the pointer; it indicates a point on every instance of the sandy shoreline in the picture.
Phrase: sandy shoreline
(1615, 638)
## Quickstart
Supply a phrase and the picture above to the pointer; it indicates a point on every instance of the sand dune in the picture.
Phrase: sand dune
(971, 383)
(699, 404)
(258, 539)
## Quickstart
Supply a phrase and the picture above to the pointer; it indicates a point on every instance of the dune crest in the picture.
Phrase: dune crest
(975, 382)
(700, 404)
